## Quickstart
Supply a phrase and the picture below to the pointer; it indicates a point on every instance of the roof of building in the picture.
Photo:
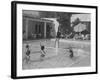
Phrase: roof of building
(36, 18)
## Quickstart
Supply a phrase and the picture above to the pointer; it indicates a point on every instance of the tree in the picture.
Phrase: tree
(64, 20)
(77, 21)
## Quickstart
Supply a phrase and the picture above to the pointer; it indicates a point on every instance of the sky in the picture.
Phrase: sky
(82, 17)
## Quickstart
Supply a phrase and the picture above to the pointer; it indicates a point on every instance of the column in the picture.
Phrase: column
(44, 29)
(26, 28)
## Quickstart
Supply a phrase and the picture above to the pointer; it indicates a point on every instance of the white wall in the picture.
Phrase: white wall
(5, 41)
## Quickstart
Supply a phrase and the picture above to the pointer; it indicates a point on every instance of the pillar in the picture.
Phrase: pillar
(26, 28)
(44, 29)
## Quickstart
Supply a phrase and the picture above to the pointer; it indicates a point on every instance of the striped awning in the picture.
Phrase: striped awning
(80, 27)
